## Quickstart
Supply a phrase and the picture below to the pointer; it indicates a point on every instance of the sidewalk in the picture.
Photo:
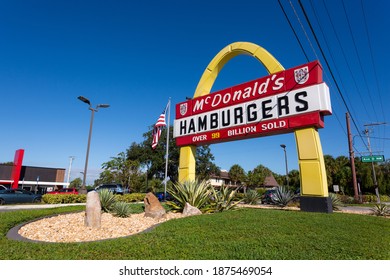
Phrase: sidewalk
(34, 206)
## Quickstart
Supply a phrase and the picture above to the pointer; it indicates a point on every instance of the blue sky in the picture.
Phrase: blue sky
(134, 55)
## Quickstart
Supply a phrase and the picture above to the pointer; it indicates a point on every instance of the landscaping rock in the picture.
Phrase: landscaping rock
(93, 210)
(153, 207)
(190, 210)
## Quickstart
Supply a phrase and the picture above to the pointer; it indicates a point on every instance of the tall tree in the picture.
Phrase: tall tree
(294, 179)
(257, 176)
(120, 170)
(154, 159)
(204, 163)
(76, 183)
(237, 174)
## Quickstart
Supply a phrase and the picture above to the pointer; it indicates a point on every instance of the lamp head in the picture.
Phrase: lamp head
(283, 146)
(85, 100)
(103, 106)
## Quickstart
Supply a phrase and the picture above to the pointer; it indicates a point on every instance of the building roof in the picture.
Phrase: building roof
(270, 181)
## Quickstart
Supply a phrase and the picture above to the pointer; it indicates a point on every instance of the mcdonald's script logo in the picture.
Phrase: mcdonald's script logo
(183, 109)
(301, 75)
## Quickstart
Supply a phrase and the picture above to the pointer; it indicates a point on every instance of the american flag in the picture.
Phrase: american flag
(158, 128)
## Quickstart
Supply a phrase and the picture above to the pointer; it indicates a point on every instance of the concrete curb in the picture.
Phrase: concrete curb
(35, 206)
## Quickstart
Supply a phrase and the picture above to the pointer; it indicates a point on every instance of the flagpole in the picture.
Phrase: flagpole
(167, 149)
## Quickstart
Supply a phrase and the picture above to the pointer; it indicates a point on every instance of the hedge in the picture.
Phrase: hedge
(82, 198)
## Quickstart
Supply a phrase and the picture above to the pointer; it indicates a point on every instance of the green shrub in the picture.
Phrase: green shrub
(372, 198)
(239, 196)
(385, 198)
(131, 197)
(64, 198)
(381, 210)
(196, 193)
(121, 209)
(261, 191)
(107, 200)
(336, 201)
(283, 196)
(223, 199)
(346, 199)
(251, 197)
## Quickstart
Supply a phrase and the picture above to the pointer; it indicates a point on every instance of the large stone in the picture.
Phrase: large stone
(190, 210)
(93, 210)
(153, 207)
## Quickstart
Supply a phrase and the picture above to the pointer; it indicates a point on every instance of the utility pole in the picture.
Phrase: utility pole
(367, 132)
(352, 160)
(71, 158)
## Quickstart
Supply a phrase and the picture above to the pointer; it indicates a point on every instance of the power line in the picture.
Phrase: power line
(307, 37)
(344, 55)
(329, 68)
(303, 29)
(359, 60)
(293, 30)
(373, 65)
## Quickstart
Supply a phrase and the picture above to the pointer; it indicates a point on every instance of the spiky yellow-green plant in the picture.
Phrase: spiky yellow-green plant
(336, 201)
(381, 210)
(107, 200)
(196, 193)
(282, 196)
(223, 199)
(121, 209)
(251, 197)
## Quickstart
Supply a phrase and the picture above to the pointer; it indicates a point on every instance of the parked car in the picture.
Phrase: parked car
(65, 191)
(266, 198)
(115, 188)
(18, 196)
(2, 187)
(160, 196)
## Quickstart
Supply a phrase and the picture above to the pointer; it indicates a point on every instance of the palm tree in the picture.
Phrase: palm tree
(237, 174)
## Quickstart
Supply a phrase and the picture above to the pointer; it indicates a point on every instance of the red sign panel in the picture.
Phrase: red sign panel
(284, 125)
(291, 79)
(278, 103)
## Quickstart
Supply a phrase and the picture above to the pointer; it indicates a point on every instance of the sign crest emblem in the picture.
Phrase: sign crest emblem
(183, 109)
(301, 75)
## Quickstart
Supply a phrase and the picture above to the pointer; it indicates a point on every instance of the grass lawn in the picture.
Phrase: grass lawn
(244, 234)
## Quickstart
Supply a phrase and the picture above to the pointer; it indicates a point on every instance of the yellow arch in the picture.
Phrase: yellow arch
(310, 156)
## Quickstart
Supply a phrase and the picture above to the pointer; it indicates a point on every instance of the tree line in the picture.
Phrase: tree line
(141, 168)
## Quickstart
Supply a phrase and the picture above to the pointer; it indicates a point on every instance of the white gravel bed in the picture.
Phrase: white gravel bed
(71, 228)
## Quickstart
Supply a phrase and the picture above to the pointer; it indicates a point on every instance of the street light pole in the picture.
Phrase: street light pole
(93, 110)
(285, 159)
(71, 158)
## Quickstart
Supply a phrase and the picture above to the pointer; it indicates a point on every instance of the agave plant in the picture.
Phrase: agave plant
(336, 201)
(223, 199)
(283, 196)
(380, 210)
(107, 200)
(121, 209)
(251, 197)
(196, 193)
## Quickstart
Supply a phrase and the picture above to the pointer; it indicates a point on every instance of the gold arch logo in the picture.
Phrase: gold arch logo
(292, 100)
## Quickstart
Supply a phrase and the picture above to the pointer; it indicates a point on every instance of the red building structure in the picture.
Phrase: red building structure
(37, 179)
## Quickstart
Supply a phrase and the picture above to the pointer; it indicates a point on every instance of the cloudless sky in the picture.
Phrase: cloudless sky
(135, 55)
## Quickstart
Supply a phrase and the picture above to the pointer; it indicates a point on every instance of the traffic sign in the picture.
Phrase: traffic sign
(379, 158)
